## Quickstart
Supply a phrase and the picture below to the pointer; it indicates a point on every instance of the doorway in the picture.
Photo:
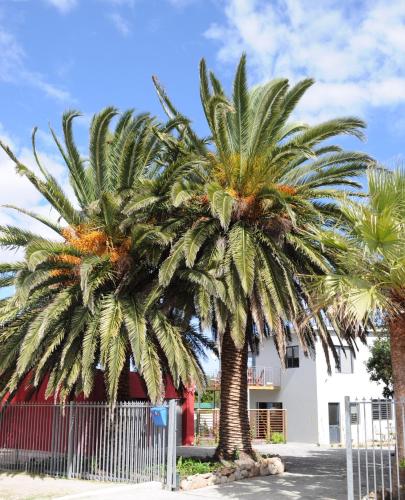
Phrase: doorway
(334, 423)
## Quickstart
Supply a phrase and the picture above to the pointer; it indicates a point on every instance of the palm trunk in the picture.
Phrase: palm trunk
(234, 427)
(397, 334)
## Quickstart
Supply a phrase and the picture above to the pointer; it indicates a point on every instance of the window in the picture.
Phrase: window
(354, 413)
(345, 357)
(381, 409)
(292, 358)
(269, 405)
(251, 360)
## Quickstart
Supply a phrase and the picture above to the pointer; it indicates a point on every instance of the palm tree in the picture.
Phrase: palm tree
(254, 203)
(371, 276)
(90, 297)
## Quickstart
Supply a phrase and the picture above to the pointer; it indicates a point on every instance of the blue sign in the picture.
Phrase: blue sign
(159, 415)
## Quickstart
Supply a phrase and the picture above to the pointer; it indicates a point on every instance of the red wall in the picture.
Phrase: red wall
(137, 390)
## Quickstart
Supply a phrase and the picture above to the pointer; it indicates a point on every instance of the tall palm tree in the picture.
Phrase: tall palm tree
(371, 276)
(90, 297)
(255, 202)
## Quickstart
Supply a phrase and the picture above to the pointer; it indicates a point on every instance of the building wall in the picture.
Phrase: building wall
(297, 392)
(306, 391)
(137, 391)
(333, 388)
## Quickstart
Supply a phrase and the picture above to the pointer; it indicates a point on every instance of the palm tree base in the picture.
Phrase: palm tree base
(234, 429)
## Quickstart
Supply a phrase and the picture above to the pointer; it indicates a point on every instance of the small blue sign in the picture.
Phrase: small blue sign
(159, 415)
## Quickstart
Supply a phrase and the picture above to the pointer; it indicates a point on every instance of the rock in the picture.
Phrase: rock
(185, 484)
(225, 471)
(212, 480)
(257, 469)
(276, 466)
(198, 482)
(378, 496)
(238, 474)
(245, 468)
(244, 463)
(264, 470)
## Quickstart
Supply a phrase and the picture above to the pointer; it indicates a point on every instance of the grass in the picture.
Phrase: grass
(191, 466)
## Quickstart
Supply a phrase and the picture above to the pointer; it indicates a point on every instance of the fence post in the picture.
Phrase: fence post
(171, 474)
(70, 440)
(349, 451)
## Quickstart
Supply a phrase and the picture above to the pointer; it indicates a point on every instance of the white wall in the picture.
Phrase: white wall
(306, 391)
(333, 388)
(297, 393)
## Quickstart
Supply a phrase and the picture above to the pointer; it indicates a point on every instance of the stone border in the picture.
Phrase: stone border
(240, 470)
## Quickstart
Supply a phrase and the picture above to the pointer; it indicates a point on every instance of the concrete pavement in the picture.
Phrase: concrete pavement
(313, 473)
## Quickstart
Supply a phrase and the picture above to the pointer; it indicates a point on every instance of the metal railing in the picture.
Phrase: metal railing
(88, 441)
(259, 376)
(375, 449)
(264, 424)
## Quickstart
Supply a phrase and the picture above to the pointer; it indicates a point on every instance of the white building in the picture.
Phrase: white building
(314, 400)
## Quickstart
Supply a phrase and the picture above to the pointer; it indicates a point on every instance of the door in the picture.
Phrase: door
(334, 423)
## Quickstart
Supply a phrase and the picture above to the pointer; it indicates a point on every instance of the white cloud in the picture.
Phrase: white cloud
(38, 81)
(120, 23)
(354, 49)
(17, 190)
(63, 6)
(13, 68)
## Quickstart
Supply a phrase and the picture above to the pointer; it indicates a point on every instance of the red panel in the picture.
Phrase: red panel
(188, 418)
(137, 390)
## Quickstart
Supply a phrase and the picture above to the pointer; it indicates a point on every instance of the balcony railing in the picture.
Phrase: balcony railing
(258, 376)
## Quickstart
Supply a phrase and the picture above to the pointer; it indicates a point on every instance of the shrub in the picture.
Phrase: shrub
(191, 466)
(277, 438)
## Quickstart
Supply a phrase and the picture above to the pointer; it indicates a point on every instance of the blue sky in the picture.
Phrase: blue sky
(87, 54)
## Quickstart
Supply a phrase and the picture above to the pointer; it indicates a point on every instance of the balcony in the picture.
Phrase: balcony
(259, 377)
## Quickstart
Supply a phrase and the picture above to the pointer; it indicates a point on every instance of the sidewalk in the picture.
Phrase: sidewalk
(313, 473)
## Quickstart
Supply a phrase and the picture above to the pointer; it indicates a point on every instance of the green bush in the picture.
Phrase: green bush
(402, 463)
(190, 466)
(277, 438)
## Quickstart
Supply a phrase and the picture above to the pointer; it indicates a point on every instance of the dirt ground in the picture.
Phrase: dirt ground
(25, 487)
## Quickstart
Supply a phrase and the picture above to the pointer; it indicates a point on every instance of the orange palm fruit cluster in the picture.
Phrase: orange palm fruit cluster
(284, 188)
(89, 241)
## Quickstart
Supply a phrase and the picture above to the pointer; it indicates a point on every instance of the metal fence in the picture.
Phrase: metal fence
(88, 441)
(264, 424)
(375, 444)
